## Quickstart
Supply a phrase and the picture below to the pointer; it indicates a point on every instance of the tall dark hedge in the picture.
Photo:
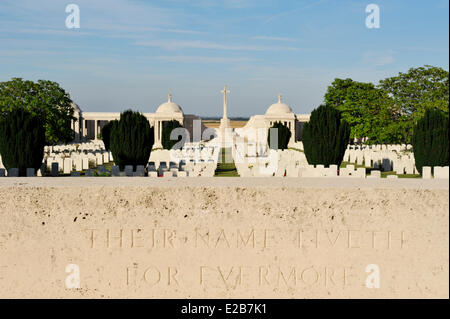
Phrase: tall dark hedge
(106, 134)
(284, 135)
(131, 139)
(167, 128)
(430, 140)
(22, 140)
(325, 137)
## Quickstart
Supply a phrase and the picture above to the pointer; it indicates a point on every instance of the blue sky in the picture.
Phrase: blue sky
(130, 53)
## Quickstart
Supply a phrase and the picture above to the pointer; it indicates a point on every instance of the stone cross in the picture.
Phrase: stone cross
(279, 98)
(170, 98)
(225, 92)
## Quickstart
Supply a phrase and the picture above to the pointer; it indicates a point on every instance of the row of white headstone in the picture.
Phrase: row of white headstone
(332, 171)
(197, 155)
(440, 172)
(397, 158)
(200, 160)
(293, 163)
(351, 171)
(275, 163)
(196, 160)
(183, 170)
(77, 157)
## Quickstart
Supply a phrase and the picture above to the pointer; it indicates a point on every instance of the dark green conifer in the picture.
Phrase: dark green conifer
(131, 139)
(106, 134)
(167, 128)
(284, 135)
(430, 140)
(325, 137)
(22, 140)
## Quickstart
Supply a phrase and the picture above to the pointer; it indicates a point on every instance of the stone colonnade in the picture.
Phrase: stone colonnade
(88, 124)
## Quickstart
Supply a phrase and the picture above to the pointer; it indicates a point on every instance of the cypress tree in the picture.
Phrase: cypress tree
(131, 139)
(22, 140)
(106, 134)
(284, 135)
(430, 140)
(325, 137)
(167, 128)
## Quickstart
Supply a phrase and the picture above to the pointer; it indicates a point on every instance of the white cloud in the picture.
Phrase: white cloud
(103, 15)
(197, 44)
(232, 4)
(267, 38)
(202, 59)
(378, 58)
(64, 32)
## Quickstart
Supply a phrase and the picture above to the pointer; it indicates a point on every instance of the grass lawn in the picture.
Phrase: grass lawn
(83, 173)
(344, 164)
(216, 124)
(383, 174)
(229, 169)
(225, 169)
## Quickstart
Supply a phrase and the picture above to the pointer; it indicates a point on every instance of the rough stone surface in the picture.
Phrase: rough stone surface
(223, 237)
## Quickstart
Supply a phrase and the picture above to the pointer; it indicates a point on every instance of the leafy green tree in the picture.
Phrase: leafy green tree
(358, 102)
(418, 90)
(386, 113)
(45, 99)
(284, 135)
(383, 124)
(431, 140)
(325, 136)
(22, 140)
(131, 139)
(167, 128)
(415, 92)
(106, 133)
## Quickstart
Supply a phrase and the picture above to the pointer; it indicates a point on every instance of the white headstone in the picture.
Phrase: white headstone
(441, 172)
(78, 164)
(68, 165)
(85, 163)
(375, 174)
(426, 172)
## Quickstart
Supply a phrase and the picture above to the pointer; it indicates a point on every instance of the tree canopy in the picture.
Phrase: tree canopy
(45, 99)
(415, 92)
(386, 113)
(358, 103)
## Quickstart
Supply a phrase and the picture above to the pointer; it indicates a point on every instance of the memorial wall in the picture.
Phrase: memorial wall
(223, 238)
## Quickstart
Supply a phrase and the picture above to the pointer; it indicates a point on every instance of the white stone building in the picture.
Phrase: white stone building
(87, 125)
(278, 112)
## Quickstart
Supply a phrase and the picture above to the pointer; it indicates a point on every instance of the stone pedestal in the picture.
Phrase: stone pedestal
(226, 137)
(225, 123)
